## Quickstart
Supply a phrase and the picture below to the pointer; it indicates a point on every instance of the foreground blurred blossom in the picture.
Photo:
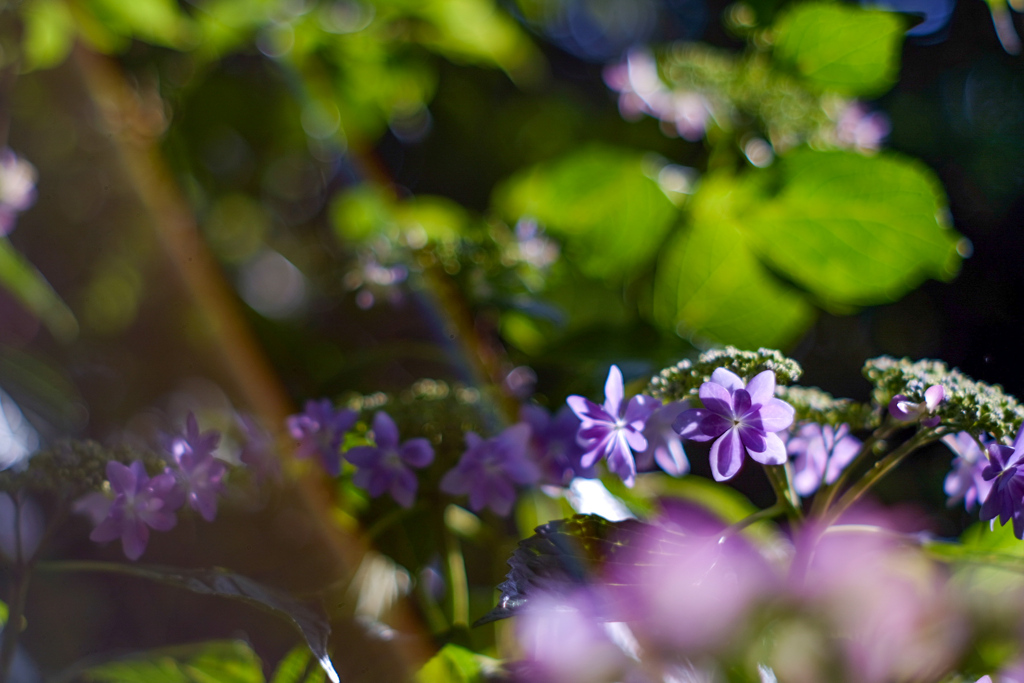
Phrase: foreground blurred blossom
(862, 129)
(139, 503)
(319, 431)
(609, 431)
(905, 410)
(740, 418)
(200, 475)
(388, 465)
(822, 452)
(664, 445)
(17, 188)
(489, 470)
(21, 527)
(1005, 498)
(966, 482)
(641, 91)
(553, 445)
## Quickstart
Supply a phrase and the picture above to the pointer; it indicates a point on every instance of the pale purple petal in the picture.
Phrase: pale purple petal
(933, 396)
(385, 432)
(901, 408)
(123, 479)
(713, 426)
(362, 456)
(717, 399)
(635, 440)
(417, 453)
(403, 489)
(1018, 442)
(762, 388)
(588, 411)
(727, 378)
(774, 452)
(753, 439)
(107, 530)
(672, 458)
(687, 425)
(843, 453)
(613, 391)
(454, 483)
(776, 415)
(134, 537)
(164, 520)
(726, 456)
(639, 410)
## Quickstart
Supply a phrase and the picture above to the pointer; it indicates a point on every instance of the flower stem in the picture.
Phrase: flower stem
(771, 512)
(785, 496)
(15, 615)
(459, 584)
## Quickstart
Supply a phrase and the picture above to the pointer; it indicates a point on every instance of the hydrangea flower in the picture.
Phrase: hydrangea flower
(319, 431)
(740, 418)
(139, 503)
(553, 445)
(1005, 499)
(489, 470)
(17, 188)
(611, 431)
(388, 465)
(664, 445)
(822, 452)
(200, 475)
(966, 482)
(905, 410)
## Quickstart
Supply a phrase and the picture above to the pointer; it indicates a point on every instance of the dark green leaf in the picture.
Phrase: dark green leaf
(215, 662)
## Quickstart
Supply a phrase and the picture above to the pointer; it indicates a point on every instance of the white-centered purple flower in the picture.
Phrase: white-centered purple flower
(139, 504)
(553, 445)
(199, 474)
(905, 410)
(319, 431)
(17, 188)
(739, 418)
(490, 469)
(612, 431)
(1005, 499)
(664, 445)
(822, 452)
(966, 482)
(388, 466)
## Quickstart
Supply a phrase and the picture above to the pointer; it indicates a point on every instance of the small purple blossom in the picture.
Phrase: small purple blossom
(489, 470)
(139, 503)
(966, 482)
(664, 445)
(388, 465)
(1005, 499)
(17, 188)
(905, 410)
(862, 129)
(199, 474)
(319, 431)
(611, 432)
(822, 452)
(740, 418)
(553, 445)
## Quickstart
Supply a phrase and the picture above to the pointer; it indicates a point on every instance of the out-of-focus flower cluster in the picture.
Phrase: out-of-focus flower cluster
(17, 188)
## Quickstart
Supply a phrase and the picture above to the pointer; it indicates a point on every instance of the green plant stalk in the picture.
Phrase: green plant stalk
(458, 583)
(779, 477)
(779, 508)
(827, 493)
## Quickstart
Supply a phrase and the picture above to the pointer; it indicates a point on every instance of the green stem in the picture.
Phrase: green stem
(780, 479)
(15, 615)
(459, 584)
(768, 513)
(827, 494)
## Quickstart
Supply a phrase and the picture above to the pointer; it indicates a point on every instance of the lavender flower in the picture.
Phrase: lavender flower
(664, 446)
(822, 452)
(905, 410)
(388, 465)
(966, 482)
(862, 129)
(1005, 499)
(17, 188)
(609, 431)
(489, 470)
(553, 445)
(739, 419)
(319, 431)
(139, 503)
(199, 474)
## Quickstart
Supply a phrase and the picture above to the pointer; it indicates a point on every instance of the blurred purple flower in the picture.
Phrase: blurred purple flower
(139, 503)
(489, 470)
(739, 419)
(862, 129)
(388, 465)
(553, 445)
(609, 431)
(966, 481)
(371, 281)
(258, 452)
(822, 452)
(199, 474)
(21, 527)
(17, 188)
(905, 410)
(1005, 499)
(319, 431)
(664, 445)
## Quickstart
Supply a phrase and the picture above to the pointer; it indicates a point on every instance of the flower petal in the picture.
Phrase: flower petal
(727, 378)
(776, 415)
(385, 432)
(363, 456)
(671, 457)
(933, 396)
(687, 425)
(762, 387)
(639, 411)
(774, 452)
(417, 453)
(587, 410)
(726, 456)
(123, 479)
(613, 391)
(717, 399)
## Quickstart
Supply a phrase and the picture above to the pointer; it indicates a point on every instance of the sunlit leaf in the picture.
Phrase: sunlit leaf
(49, 33)
(841, 47)
(297, 667)
(612, 216)
(369, 210)
(26, 283)
(213, 662)
(156, 21)
(452, 664)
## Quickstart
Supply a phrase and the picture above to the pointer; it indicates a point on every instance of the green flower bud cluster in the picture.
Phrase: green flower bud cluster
(970, 406)
(814, 405)
(683, 380)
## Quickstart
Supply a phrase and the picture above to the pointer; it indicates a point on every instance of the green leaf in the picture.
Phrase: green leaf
(452, 664)
(854, 230)
(841, 47)
(369, 210)
(213, 662)
(27, 284)
(294, 667)
(156, 21)
(709, 284)
(612, 217)
(49, 33)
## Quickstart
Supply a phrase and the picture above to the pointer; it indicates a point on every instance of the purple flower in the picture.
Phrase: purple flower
(1005, 499)
(738, 418)
(862, 129)
(664, 445)
(489, 470)
(905, 410)
(200, 475)
(609, 431)
(966, 482)
(319, 431)
(553, 445)
(139, 503)
(822, 452)
(17, 188)
(388, 465)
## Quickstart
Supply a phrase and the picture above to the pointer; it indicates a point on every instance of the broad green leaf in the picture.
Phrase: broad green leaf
(854, 230)
(612, 217)
(296, 668)
(26, 283)
(156, 21)
(709, 284)
(841, 47)
(452, 664)
(369, 210)
(49, 33)
(213, 662)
